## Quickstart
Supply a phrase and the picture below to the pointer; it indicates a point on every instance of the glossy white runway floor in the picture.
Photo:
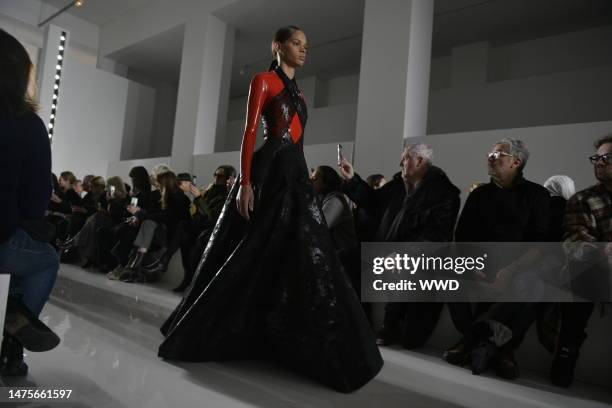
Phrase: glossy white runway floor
(108, 357)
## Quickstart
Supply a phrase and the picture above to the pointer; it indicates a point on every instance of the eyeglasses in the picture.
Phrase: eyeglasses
(605, 158)
(497, 154)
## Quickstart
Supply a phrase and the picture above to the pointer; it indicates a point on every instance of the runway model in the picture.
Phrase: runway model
(269, 284)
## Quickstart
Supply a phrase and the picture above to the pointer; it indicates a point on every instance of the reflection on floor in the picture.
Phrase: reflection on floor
(108, 356)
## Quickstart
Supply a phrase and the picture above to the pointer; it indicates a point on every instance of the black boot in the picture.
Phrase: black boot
(26, 328)
(157, 263)
(133, 266)
(564, 363)
(11, 358)
(459, 354)
(482, 356)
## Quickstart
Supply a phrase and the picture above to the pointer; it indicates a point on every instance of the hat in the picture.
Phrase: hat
(184, 177)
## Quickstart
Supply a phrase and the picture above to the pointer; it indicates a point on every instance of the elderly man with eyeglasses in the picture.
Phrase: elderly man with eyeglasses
(588, 218)
(507, 209)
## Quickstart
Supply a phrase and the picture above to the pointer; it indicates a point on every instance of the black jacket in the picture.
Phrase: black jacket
(520, 213)
(25, 166)
(429, 214)
(177, 210)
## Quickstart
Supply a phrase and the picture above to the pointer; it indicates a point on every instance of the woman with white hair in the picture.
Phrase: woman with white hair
(561, 188)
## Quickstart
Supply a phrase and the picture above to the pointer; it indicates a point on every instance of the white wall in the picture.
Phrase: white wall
(163, 120)
(89, 120)
(158, 141)
(565, 52)
(564, 97)
(138, 124)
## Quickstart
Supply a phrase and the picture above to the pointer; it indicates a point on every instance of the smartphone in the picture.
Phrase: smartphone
(340, 157)
(112, 190)
(194, 180)
(134, 202)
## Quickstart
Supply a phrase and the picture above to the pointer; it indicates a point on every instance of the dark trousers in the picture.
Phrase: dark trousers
(412, 322)
(33, 266)
(517, 316)
(574, 319)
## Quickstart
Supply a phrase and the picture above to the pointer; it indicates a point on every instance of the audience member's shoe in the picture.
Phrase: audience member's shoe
(458, 354)
(69, 254)
(115, 273)
(386, 337)
(182, 287)
(157, 269)
(103, 268)
(87, 264)
(68, 242)
(147, 276)
(26, 328)
(127, 275)
(11, 358)
(21, 323)
(563, 366)
(481, 356)
(506, 366)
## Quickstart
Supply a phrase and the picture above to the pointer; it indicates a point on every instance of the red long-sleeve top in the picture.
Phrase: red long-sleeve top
(264, 87)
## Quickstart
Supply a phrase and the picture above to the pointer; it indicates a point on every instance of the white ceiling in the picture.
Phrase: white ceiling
(334, 30)
(157, 57)
(100, 12)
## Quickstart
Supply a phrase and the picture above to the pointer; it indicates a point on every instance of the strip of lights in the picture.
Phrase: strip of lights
(56, 84)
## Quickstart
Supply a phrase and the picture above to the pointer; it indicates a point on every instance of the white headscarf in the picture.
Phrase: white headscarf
(561, 186)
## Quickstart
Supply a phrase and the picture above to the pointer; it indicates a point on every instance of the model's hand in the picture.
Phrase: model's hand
(346, 169)
(244, 200)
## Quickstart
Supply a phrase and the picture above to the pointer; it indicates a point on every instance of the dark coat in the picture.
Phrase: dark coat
(428, 214)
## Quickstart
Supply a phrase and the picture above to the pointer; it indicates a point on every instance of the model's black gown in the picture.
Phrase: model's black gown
(273, 288)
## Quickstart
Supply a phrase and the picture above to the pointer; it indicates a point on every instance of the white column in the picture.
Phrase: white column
(393, 81)
(203, 91)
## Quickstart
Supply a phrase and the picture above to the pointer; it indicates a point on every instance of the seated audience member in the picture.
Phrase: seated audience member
(561, 189)
(193, 234)
(110, 210)
(507, 209)
(92, 201)
(87, 182)
(121, 237)
(25, 188)
(420, 204)
(61, 205)
(78, 188)
(336, 207)
(156, 229)
(364, 224)
(376, 181)
(588, 218)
